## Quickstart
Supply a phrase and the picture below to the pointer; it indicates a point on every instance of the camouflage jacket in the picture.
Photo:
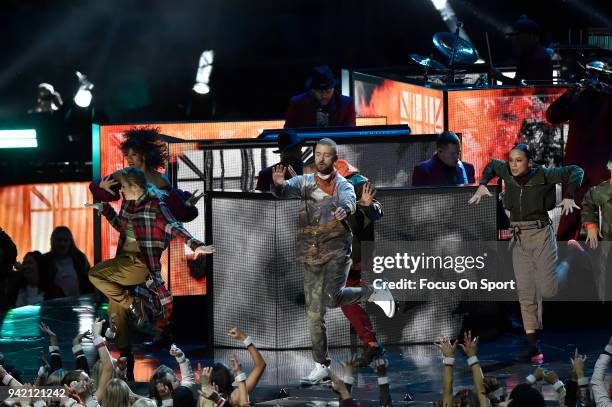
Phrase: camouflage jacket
(597, 204)
(321, 237)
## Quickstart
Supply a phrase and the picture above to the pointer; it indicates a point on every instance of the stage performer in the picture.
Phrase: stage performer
(290, 150)
(324, 246)
(534, 65)
(444, 168)
(321, 105)
(589, 142)
(597, 219)
(530, 193)
(146, 226)
(361, 223)
(142, 147)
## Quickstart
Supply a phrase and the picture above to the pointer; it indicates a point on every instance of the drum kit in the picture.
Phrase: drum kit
(462, 53)
(457, 50)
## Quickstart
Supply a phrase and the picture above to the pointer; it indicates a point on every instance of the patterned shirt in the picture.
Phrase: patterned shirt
(154, 226)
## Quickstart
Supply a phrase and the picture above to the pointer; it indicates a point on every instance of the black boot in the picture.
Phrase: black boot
(137, 313)
(129, 357)
(533, 351)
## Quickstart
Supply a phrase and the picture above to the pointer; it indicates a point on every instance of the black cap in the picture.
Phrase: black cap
(525, 25)
(321, 78)
(287, 140)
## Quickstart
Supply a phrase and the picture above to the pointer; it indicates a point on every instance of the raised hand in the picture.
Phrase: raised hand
(278, 175)
(367, 195)
(551, 377)
(194, 198)
(593, 236)
(235, 364)
(340, 214)
(204, 250)
(380, 366)
(98, 206)
(205, 374)
(237, 334)
(481, 192)
(44, 328)
(107, 183)
(469, 345)
(84, 335)
(349, 365)
(96, 327)
(447, 348)
(568, 206)
(175, 351)
(578, 364)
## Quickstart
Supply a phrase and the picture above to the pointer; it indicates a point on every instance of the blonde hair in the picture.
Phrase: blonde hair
(144, 402)
(55, 378)
(116, 394)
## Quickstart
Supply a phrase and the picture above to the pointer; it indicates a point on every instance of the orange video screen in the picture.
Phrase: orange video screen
(490, 121)
(110, 159)
(29, 213)
(401, 103)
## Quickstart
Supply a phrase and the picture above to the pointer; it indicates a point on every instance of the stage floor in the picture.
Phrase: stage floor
(414, 369)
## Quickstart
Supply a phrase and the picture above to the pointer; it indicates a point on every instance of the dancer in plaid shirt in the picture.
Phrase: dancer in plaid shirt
(146, 227)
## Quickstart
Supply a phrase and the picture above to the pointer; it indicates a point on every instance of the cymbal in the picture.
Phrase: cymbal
(428, 62)
(465, 52)
(600, 66)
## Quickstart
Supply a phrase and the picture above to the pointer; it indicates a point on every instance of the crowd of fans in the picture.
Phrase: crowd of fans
(105, 383)
(62, 272)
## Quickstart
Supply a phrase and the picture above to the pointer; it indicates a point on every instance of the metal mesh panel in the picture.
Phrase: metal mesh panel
(258, 284)
(385, 164)
(429, 215)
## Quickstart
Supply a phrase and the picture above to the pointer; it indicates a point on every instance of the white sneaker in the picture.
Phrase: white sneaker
(317, 375)
(384, 299)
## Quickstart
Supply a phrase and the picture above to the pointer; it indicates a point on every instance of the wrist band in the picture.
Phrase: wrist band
(240, 378)
(70, 402)
(168, 402)
(42, 371)
(98, 340)
(53, 349)
(472, 361)
(349, 380)
(531, 379)
(181, 359)
(496, 394)
(76, 349)
(110, 334)
(583, 381)
(558, 385)
(448, 361)
(383, 380)
(40, 403)
(609, 349)
(7, 379)
(248, 341)
(220, 402)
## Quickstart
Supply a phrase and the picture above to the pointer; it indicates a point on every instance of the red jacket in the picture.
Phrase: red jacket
(302, 111)
(175, 199)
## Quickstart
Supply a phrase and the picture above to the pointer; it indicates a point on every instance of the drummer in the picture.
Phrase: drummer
(534, 64)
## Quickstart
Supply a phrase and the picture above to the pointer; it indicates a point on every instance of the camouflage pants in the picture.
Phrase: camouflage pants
(324, 287)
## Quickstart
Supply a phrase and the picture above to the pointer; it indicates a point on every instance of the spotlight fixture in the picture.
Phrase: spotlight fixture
(83, 96)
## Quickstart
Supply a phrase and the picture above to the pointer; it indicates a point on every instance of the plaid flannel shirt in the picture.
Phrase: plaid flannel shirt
(154, 226)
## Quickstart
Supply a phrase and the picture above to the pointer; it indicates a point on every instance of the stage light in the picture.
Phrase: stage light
(439, 4)
(202, 81)
(83, 96)
(18, 138)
